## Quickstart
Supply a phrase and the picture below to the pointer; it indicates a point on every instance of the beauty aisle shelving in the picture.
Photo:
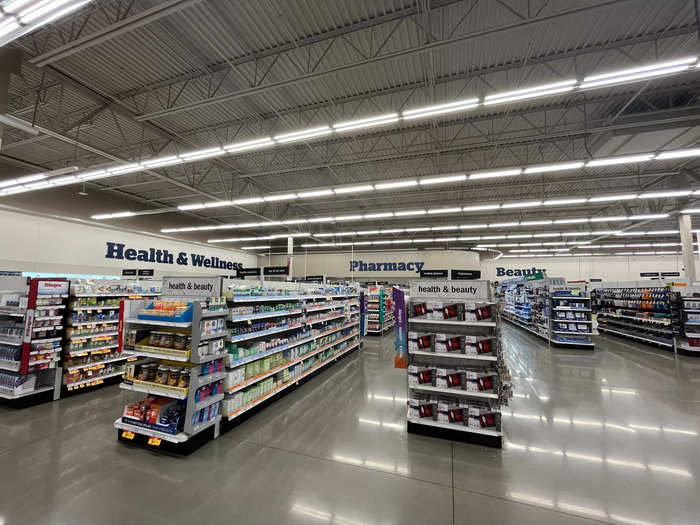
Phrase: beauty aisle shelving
(648, 315)
(571, 319)
(180, 345)
(688, 339)
(281, 333)
(92, 353)
(380, 312)
(516, 305)
(31, 331)
(457, 378)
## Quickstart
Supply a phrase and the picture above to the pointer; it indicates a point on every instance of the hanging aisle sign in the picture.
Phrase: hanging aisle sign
(465, 275)
(439, 274)
(477, 290)
(192, 286)
(248, 272)
(275, 270)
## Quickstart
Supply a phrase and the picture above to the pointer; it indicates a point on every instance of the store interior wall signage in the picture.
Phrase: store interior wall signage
(449, 290)
(440, 274)
(191, 286)
(121, 251)
(468, 275)
(517, 272)
(362, 266)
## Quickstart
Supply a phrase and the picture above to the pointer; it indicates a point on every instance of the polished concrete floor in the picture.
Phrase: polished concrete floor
(609, 436)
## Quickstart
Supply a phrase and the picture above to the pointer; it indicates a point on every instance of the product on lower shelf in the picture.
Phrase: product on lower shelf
(162, 414)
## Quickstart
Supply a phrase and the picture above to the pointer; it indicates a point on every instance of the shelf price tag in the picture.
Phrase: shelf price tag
(154, 441)
(126, 434)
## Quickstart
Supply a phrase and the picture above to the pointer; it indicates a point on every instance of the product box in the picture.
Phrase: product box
(422, 407)
(419, 310)
(477, 312)
(420, 375)
(478, 345)
(449, 343)
(420, 341)
(445, 311)
(449, 378)
(482, 416)
(480, 381)
(450, 411)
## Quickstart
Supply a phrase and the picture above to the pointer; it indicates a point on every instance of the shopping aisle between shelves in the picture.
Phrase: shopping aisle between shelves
(335, 451)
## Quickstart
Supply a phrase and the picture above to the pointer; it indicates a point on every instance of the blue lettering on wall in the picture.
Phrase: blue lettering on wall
(363, 266)
(518, 272)
(152, 255)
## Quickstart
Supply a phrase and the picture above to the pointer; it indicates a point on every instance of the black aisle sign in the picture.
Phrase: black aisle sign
(314, 278)
(649, 274)
(440, 274)
(248, 272)
(596, 280)
(670, 274)
(465, 275)
(275, 270)
(129, 272)
(146, 273)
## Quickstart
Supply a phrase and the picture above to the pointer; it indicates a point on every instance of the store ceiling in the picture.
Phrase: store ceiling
(107, 87)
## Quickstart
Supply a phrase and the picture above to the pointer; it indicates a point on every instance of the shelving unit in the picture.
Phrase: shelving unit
(642, 313)
(316, 325)
(457, 378)
(31, 328)
(92, 354)
(687, 340)
(380, 313)
(179, 365)
(571, 317)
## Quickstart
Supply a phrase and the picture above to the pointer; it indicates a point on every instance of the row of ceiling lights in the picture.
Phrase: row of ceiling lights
(592, 81)
(446, 179)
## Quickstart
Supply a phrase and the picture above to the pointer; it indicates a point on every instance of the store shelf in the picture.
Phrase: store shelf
(13, 342)
(207, 337)
(92, 323)
(97, 363)
(50, 307)
(453, 355)
(93, 308)
(452, 391)
(139, 351)
(172, 438)
(569, 298)
(48, 328)
(309, 323)
(205, 380)
(268, 298)
(271, 351)
(448, 426)
(93, 381)
(633, 336)
(260, 377)
(576, 343)
(265, 315)
(666, 321)
(323, 307)
(10, 365)
(134, 294)
(292, 381)
(634, 327)
(221, 312)
(92, 335)
(136, 320)
(571, 309)
(570, 333)
(263, 333)
(4, 394)
(578, 321)
(85, 351)
(447, 322)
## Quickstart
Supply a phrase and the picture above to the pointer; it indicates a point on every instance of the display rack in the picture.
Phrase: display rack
(31, 331)
(687, 341)
(639, 312)
(571, 320)
(92, 354)
(301, 328)
(380, 313)
(180, 344)
(457, 378)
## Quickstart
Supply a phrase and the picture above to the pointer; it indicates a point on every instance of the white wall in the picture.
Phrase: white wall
(579, 268)
(338, 264)
(39, 244)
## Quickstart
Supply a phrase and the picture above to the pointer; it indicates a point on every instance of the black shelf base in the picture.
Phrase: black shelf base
(455, 435)
(107, 382)
(27, 401)
(166, 447)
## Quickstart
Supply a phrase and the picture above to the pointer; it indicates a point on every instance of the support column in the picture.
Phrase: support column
(290, 258)
(686, 229)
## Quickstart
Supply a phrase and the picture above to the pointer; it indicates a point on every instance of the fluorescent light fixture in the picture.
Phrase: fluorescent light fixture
(395, 230)
(612, 161)
(523, 204)
(348, 218)
(441, 180)
(552, 234)
(562, 202)
(263, 247)
(295, 221)
(609, 198)
(117, 215)
(315, 193)
(284, 197)
(187, 207)
(640, 73)
(302, 134)
(423, 240)
(482, 207)
(371, 232)
(191, 156)
(472, 226)
(379, 215)
(534, 91)
(649, 216)
(609, 219)
(662, 194)
(322, 219)
(561, 166)
(15, 122)
(162, 162)
(33, 16)
(691, 210)
(440, 109)
(354, 189)
(92, 174)
(250, 200)
(535, 223)
(521, 236)
(217, 204)
(423, 229)
(324, 234)
(492, 237)
(366, 122)
(402, 241)
(641, 69)
(678, 154)
(444, 228)
(444, 210)
(494, 173)
(249, 144)
(127, 168)
(408, 213)
(503, 224)
(571, 221)
(399, 184)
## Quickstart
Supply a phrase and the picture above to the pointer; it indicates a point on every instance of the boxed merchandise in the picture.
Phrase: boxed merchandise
(451, 411)
(419, 375)
(477, 312)
(448, 343)
(419, 310)
(420, 341)
(446, 311)
(480, 381)
(157, 413)
(482, 415)
(449, 378)
(478, 345)
(422, 407)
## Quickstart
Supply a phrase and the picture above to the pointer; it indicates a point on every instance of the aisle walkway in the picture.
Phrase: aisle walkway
(603, 437)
